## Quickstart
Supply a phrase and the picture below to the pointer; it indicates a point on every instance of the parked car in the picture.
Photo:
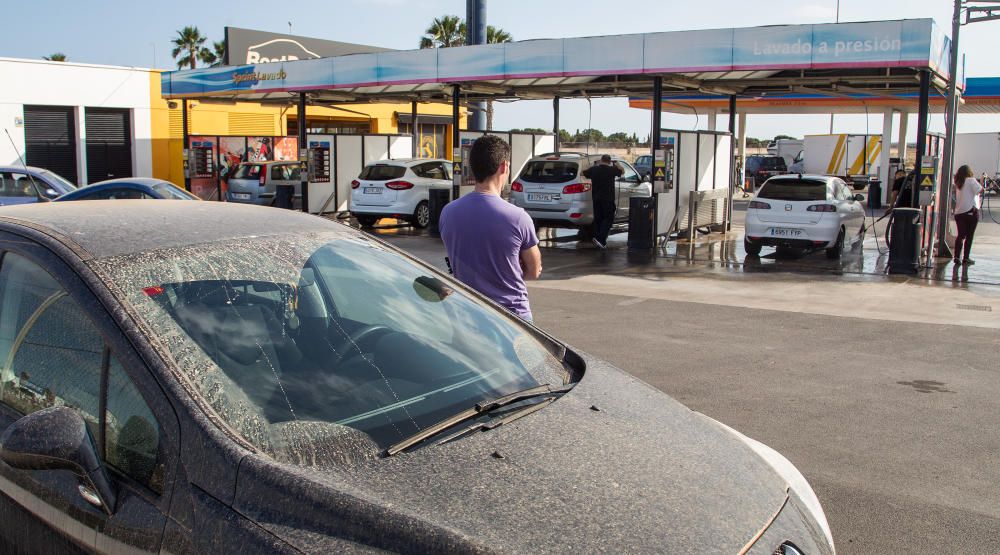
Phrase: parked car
(27, 184)
(287, 384)
(554, 192)
(398, 189)
(805, 212)
(644, 165)
(256, 182)
(129, 188)
(759, 168)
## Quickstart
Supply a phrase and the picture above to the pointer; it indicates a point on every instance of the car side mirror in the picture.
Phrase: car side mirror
(859, 198)
(50, 193)
(57, 438)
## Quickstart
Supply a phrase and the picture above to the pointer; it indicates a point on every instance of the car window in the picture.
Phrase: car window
(172, 192)
(549, 171)
(793, 190)
(432, 170)
(447, 170)
(325, 343)
(773, 163)
(382, 172)
(115, 194)
(54, 356)
(58, 182)
(642, 160)
(629, 175)
(16, 185)
(248, 171)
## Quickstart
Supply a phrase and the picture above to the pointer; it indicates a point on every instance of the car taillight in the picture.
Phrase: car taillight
(153, 291)
(355, 184)
(759, 205)
(516, 187)
(822, 208)
(399, 185)
(576, 188)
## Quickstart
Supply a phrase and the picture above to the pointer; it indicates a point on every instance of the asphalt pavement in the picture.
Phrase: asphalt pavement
(881, 389)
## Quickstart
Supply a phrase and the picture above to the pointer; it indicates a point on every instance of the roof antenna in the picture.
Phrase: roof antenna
(19, 157)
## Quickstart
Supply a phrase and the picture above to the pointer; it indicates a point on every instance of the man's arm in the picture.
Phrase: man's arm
(531, 262)
(619, 170)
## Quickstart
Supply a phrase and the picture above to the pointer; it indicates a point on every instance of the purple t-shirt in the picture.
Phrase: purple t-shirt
(484, 236)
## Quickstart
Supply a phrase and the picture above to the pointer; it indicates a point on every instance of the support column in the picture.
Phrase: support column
(743, 148)
(303, 153)
(654, 144)
(711, 119)
(555, 121)
(732, 150)
(184, 144)
(883, 173)
(925, 86)
(943, 204)
(414, 147)
(456, 141)
(904, 120)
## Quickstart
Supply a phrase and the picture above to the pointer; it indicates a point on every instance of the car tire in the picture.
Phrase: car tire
(833, 252)
(856, 247)
(752, 248)
(421, 215)
(366, 221)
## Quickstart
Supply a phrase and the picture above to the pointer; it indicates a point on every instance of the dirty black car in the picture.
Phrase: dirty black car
(198, 377)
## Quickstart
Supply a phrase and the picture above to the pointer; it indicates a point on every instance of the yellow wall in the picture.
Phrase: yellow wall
(219, 117)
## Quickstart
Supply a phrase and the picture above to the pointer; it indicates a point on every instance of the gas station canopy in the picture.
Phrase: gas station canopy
(835, 61)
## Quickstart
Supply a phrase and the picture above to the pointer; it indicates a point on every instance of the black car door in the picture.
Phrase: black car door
(60, 347)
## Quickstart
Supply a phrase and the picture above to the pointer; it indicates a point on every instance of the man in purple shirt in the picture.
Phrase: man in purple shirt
(491, 244)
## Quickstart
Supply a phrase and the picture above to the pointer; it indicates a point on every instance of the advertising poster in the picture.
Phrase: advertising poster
(286, 148)
(259, 149)
(202, 156)
(231, 153)
(319, 161)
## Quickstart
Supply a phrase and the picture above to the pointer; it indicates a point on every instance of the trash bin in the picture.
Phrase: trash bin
(283, 195)
(904, 241)
(436, 202)
(640, 223)
(875, 195)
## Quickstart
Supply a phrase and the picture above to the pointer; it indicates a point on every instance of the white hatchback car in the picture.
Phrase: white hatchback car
(398, 189)
(805, 212)
(552, 189)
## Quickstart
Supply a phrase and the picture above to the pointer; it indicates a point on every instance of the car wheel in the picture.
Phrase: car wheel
(366, 221)
(834, 252)
(751, 247)
(422, 215)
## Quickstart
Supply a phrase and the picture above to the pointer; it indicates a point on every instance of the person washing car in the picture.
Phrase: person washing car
(491, 244)
(602, 178)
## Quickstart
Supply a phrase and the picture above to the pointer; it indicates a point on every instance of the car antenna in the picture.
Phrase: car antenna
(21, 158)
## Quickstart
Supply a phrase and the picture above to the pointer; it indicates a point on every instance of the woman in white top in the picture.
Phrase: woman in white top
(967, 204)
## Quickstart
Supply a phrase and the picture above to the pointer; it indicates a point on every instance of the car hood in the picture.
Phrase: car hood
(613, 465)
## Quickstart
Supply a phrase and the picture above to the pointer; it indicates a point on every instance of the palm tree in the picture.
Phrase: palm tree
(216, 56)
(189, 42)
(494, 35)
(57, 57)
(445, 31)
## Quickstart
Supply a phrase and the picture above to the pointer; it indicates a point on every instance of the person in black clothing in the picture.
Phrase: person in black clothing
(602, 178)
(900, 184)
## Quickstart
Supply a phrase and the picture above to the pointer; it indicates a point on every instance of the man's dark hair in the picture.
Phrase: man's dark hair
(606, 158)
(487, 153)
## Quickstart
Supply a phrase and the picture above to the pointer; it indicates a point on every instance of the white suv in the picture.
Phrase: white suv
(398, 189)
(554, 192)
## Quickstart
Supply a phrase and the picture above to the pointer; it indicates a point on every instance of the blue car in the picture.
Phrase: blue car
(27, 184)
(130, 188)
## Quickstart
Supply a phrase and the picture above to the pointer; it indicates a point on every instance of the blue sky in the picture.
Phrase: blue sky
(138, 33)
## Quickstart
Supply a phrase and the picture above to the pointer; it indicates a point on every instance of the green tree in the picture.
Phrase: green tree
(589, 136)
(535, 130)
(444, 32)
(623, 138)
(188, 46)
(564, 136)
(216, 56)
(57, 57)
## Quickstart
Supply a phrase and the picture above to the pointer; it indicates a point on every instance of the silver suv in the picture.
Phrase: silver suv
(255, 182)
(552, 189)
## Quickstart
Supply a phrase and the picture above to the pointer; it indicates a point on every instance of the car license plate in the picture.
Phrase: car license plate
(373, 191)
(539, 197)
(785, 232)
(241, 196)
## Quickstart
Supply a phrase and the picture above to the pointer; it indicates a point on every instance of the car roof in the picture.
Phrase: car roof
(104, 229)
(141, 181)
(408, 162)
(802, 177)
(19, 168)
(267, 162)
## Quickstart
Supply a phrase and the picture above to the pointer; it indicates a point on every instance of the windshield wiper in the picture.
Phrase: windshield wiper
(475, 411)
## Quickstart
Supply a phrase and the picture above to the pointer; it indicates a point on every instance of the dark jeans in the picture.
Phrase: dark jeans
(967, 223)
(604, 216)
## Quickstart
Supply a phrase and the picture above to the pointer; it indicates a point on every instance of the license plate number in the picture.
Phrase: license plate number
(785, 232)
(242, 196)
(373, 191)
(539, 197)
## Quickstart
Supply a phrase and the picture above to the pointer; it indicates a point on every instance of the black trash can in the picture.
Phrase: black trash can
(640, 223)
(283, 195)
(904, 241)
(875, 195)
(436, 203)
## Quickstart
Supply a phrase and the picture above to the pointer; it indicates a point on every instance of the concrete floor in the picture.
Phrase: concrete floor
(881, 389)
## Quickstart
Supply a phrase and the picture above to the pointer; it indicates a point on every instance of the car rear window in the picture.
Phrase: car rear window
(248, 171)
(773, 163)
(549, 171)
(382, 172)
(793, 189)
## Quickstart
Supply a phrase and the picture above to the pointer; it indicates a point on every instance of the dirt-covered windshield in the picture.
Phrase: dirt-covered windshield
(321, 343)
